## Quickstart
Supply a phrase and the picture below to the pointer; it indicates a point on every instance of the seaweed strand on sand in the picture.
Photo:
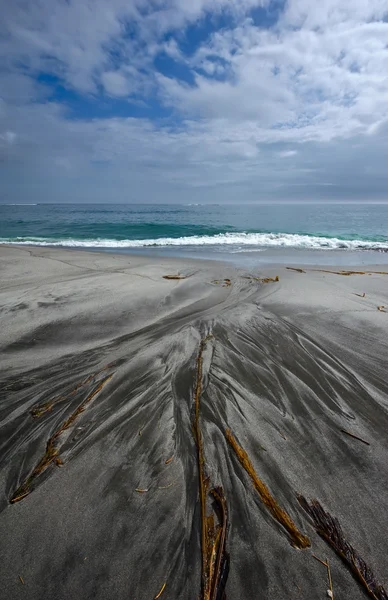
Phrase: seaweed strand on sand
(296, 269)
(39, 410)
(297, 538)
(329, 528)
(347, 273)
(263, 279)
(215, 559)
(52, 451)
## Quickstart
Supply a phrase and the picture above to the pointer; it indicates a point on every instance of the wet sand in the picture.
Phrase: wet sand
(125, 398)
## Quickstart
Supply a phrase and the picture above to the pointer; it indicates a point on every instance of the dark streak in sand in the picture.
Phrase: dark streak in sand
(193, 367)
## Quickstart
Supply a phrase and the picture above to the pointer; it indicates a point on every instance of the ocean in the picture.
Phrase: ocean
(342, 234)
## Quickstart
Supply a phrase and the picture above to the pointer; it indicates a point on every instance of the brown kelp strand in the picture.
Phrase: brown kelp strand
(329, 528)
(40, 409)
(222, 282)
(297, 538)
(222, 557)
(347, 273)
(295, 269)
(263, 279)
(200, 458)
(52, 450)
(175, 276)
(215, 561)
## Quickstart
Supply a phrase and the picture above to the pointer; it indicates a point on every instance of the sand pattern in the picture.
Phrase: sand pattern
(160, 418)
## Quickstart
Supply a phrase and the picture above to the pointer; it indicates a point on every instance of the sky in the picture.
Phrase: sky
(193, 100)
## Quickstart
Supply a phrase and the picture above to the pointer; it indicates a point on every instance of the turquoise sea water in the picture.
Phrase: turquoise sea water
(210, 231)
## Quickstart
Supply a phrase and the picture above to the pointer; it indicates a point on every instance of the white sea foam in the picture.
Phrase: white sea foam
(252, 240)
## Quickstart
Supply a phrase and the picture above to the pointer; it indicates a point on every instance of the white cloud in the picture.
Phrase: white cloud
(317, 83)
(312, 88)
(287, 153)
(78, 39)
(8, 136)
(115, 83)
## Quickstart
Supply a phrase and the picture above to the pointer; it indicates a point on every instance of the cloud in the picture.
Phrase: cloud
(78, 40)
(287, 153)
(297, 108)
(313, 83)
(115, 83)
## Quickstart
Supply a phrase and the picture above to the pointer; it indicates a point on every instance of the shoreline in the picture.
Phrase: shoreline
(104, 365)
(238, 258)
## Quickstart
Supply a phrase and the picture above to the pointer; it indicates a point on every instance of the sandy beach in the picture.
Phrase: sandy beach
(131, 389)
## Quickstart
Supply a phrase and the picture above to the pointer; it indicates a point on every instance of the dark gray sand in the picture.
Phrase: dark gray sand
(101, 368)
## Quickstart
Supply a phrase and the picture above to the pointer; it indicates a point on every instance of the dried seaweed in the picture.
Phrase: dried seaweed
(221, 572)
(175, 276)
(263, 279)
(330, 530)
(297, 538)
(166, 487)
(223, 282)
(52, 451)
(381, 308)
(295, 269)
(215, 560)
(269, 279)
(347, 273)
(40, 409)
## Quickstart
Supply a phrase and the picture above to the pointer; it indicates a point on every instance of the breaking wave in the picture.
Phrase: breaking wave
(244, 240)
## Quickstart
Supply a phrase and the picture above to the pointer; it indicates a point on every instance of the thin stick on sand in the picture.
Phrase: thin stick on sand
(160, 591)
(355, 437)
(330, 581)
(327, 565)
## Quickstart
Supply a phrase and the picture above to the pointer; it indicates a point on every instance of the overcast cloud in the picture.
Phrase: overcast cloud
(193, 100)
